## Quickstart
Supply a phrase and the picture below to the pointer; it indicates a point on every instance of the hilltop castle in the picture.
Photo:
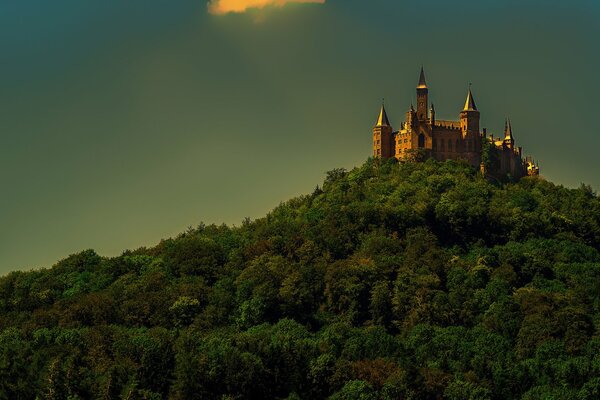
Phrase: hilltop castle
(422, 135)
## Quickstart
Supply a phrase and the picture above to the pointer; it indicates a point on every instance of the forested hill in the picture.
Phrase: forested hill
(391, 281)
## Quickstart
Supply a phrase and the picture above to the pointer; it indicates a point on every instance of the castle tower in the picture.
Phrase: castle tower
(422, 97)
(469, 123)
(432, 115)
(469, 117)
(383, 145)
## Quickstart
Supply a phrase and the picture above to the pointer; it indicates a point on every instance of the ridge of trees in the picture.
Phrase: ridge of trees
(391, 281)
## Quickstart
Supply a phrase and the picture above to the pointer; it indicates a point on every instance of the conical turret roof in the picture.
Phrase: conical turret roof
(383, 118)
(470, 103)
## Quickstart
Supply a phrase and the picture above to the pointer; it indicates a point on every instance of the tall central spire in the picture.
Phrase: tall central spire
(422, 83)
(422, 97)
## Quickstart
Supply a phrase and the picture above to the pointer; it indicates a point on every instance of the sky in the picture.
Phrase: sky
(125, 122)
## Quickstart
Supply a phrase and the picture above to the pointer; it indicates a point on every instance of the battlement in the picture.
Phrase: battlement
(440, 123)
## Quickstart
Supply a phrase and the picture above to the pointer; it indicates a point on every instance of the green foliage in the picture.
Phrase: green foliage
(490, 156)
(392, 281)
(355, 390)
(184, 310)
(16, 370)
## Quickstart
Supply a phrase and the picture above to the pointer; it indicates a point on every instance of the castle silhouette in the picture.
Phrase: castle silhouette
(422, 136)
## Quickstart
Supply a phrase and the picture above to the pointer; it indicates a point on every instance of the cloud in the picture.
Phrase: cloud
(220, 7)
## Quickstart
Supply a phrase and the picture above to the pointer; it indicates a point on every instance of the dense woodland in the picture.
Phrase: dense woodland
(391, 281)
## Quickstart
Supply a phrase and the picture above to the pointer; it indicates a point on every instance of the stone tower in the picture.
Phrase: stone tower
(469, 125)
(422, 97)
(383, 145)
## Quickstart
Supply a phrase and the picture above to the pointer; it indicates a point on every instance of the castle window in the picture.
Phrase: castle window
(421, 140)
(405, 140)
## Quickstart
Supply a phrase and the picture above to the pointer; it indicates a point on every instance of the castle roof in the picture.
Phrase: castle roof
(422, 83)
(383, 118)
(470, 103)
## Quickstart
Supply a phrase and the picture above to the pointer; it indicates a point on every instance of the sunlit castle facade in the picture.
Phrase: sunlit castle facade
(422, 135)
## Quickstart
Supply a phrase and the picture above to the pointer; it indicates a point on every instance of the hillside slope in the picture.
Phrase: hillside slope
(412, 281)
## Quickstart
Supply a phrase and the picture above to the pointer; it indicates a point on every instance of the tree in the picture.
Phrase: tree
(355, 390)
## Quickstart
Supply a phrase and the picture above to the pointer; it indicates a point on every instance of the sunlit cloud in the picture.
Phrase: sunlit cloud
(220, 7)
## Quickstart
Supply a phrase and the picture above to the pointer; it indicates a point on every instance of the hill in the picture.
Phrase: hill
(392, 281)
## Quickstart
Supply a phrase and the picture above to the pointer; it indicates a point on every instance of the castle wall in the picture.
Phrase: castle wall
(403, 142)
(511, 162)
(443, 142)
(447, 142)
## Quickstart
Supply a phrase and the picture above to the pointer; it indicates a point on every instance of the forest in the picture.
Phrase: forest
(388, 281)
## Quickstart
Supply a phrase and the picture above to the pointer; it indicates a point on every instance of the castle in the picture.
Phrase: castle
(421, 135)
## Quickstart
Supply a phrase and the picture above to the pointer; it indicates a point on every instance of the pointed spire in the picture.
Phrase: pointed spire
(422, 83)
(508, 135)
(470, 103)
(383, 118)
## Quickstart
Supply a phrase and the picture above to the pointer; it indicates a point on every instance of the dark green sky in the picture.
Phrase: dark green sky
(122, 123)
